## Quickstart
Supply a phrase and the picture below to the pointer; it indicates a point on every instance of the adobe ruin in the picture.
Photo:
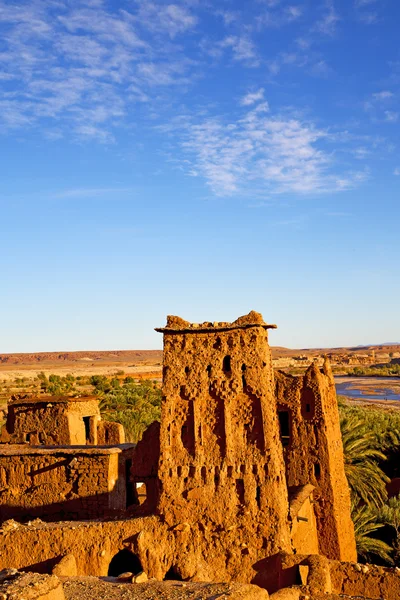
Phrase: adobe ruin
(243, 478)
(59, 421)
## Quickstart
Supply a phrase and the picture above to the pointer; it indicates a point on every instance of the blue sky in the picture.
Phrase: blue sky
(200, 158)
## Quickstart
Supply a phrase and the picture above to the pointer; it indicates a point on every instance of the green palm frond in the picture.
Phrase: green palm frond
(365, 524)
(361, 451)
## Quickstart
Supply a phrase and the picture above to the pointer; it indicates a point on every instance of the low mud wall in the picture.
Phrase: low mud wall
(39, 547)
(370, 581)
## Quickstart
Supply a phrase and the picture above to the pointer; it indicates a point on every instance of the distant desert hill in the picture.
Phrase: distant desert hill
(137, 357)
(154, 357)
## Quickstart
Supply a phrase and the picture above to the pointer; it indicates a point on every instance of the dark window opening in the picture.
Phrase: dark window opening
(123, 562)
(230, 471)
(217, 344)
(258, 496)
(179, 471)
(130, 491)
(240, 490)
(317, 471)
(187, 370)
(141, 492)
(307, 403)
(192, 471)
(244, 382)
(226, 365)
(204, 474)
(200, 435)
(216, 476)
(284, 425)
(172, 575)
(209, 370)
(86, 421)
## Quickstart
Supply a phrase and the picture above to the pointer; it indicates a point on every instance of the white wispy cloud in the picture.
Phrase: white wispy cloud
(275, 153)
(243, 49)
(377, 106)
(171, 18)
(397, 172)
(83, 67)
(383, 95)
(391, 116)
(364, 13)
(329, 20)
(252, 97)
(279, 16)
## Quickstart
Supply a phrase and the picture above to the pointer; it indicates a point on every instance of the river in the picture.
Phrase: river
(369, 388)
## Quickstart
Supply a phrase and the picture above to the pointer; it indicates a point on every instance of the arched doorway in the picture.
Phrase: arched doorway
(124, 561)
(172, 574)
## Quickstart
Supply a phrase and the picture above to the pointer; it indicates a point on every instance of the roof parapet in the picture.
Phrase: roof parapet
(178, 325)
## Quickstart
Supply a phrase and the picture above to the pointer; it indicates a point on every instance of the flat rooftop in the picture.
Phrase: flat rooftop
(179, 325)
(52, 400)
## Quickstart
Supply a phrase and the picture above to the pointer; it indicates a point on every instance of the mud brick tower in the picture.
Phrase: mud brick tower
(221, 462)
(311, 437)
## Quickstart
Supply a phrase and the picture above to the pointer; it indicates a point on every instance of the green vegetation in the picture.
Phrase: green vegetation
(56, 385)
(371, 442)
(386, 370)
(134, 405)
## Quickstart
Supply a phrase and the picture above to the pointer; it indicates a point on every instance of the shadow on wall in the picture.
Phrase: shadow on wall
(82, 508)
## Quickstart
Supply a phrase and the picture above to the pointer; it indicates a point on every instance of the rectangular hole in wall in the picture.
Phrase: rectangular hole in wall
(141, 492)
(86, 421)
(130, 491)
(284, 427)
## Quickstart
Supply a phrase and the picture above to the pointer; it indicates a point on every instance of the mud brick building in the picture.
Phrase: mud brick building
(65, 482)
(243, 479)
(312, 445)
(59, 421)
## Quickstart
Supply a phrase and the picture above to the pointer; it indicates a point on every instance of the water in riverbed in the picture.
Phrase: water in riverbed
(379, 393)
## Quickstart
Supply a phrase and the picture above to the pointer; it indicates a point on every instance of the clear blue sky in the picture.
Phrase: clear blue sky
(200, 158)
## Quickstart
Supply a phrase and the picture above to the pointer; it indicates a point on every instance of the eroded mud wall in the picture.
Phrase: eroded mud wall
(314, 454)
(62, 484)
(221, 464)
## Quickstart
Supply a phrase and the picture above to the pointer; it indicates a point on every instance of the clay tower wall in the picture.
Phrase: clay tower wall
(313, 450)
(221, 461)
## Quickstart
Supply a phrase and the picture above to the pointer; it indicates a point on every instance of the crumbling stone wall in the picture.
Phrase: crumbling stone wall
(303, 523)
(110, 433)
(39, 547)
(63, 483)
(313, 452)
(221, 463)
(59, 421)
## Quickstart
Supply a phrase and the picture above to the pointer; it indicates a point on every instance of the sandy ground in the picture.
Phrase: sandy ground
(92, 588)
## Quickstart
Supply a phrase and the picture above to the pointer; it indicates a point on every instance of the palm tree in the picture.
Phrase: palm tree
(361, 451)
(365, 523)
(389, 514)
